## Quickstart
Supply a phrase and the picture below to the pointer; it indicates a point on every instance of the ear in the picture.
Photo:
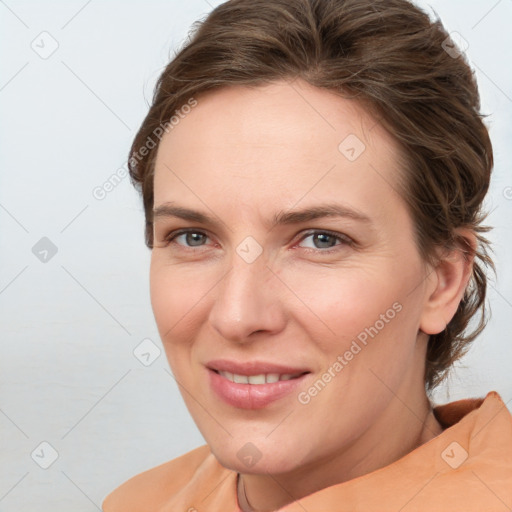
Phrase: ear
(447, 283)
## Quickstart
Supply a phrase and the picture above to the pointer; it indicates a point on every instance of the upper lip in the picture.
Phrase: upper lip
(253, 367)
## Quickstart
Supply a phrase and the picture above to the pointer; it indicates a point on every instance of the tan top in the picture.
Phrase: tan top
(466, 468)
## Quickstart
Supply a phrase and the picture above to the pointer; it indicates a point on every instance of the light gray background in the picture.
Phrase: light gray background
(69, 326)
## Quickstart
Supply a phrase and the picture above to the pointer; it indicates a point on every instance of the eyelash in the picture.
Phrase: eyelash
(344, 239)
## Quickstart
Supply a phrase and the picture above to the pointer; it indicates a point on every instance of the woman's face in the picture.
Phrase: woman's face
(333, 303)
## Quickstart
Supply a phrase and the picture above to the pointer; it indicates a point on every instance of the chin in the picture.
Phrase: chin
(245, 457)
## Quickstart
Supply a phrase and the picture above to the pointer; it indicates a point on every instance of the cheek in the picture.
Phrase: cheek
(340, 302)
(368, 312)
(176, 296)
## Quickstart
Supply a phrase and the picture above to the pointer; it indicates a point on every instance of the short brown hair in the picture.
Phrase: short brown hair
(387, 54)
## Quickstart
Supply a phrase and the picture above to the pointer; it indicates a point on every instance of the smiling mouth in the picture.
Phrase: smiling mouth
(267, 383)
(262, 378)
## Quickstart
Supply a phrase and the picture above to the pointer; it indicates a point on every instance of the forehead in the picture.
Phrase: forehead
(279, 113)
(277, 144)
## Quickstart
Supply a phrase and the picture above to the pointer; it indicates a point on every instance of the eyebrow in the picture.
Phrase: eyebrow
(170, 209)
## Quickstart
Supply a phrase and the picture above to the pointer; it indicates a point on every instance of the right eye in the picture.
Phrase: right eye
(191, 237)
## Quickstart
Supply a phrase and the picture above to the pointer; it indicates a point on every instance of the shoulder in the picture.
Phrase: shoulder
(150, 488)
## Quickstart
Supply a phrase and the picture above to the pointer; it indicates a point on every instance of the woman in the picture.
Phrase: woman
(313, 174)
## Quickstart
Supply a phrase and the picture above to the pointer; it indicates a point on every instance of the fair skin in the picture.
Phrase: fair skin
(241, 156)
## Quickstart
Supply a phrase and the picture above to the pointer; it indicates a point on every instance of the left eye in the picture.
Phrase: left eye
(325, 239)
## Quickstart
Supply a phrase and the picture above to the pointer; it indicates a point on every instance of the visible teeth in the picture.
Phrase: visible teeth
(262, 378)
(240, 379)
(257, 379)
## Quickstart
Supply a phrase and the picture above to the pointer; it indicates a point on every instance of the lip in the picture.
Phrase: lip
(252, 396)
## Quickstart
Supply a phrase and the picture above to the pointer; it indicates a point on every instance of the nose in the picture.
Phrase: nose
(247, 301)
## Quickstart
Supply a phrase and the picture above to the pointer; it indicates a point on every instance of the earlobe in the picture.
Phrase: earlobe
(449, 280)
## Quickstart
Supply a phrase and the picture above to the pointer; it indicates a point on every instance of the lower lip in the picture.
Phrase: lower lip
(252, 396)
